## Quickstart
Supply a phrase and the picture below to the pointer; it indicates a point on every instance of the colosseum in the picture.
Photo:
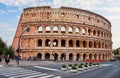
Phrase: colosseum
(63, 34)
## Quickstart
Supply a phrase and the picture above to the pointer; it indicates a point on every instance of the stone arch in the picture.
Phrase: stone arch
(83, 31)
(77, 30)
(95, 56)
(94, 32)
(63, 43)
(70, 56)
(84, 56)
(63, 56)
(48, 29)
(70, 29)
(55, 56)
(40, 29)
(99, 45)
(95, 44)
(47, 42)
(90, 44)
(63, 29)
(77, 56)
(99, 56)
(77, 43)
(55, 43)
(90, 56)
(47, 56)
(84, 44)
(55, 29)
(98, 33)
(89, 31)
(39, 56)
(70, 43)
(39, 43)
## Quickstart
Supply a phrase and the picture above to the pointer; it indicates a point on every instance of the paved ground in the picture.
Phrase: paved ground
(50, 69)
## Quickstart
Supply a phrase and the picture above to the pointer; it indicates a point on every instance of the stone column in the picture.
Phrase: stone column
(59, 42)
(74, 56)
(67, 56)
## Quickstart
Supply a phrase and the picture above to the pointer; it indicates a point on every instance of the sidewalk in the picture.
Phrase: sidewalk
(33, 63)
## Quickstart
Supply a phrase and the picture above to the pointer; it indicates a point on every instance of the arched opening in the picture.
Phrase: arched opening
(98, 33)
(77, 43)
(55, 29)
(103, 57)
(39, 56)
(90, 56)
(55, 43)
(70, 43)
(70, 30)
(62, 29)
(94, 32)
(84, 44)
(84, 57)
(77, 57)
(95, 45)
(39, 43)
(99, 56)
(47, 43)
(95, 56)
(101, 34)
(55, 56)
(63, 43)
(70, 56)
(83, 31)
(47, 56)
(99, 45)
(48, 29)
(77, 30)
(89, 31)
(63, 56)
(90, 44)
(40, 29)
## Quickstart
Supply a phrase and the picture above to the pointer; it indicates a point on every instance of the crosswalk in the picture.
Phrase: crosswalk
(17, 72)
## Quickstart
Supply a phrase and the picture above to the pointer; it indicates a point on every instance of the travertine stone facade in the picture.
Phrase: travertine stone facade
(64, 34)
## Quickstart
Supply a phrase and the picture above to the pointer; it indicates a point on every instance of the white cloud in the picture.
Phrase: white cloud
(112, 9)
(2, 12)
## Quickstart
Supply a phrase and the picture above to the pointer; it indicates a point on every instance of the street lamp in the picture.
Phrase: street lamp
(19, 50)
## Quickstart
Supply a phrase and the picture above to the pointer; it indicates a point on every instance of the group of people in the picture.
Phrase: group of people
(6, 58)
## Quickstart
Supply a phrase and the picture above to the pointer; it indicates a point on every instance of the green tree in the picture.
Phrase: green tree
(6, 50)
(115, 51)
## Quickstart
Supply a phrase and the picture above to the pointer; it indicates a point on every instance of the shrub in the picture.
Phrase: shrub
(70, 65)
(80, 66)
(63, 66)
(74, 67)
(75, 64)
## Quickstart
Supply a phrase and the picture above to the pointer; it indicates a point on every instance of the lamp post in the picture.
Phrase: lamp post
(19, 50)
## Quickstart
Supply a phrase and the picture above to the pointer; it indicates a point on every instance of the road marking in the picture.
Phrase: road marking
(46, 76)
(106, 64)
(46, 68)
(38, 75)
(17, 72)
(1, 66)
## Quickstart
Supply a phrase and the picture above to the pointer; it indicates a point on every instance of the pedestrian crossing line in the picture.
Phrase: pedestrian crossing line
(46, 76)
(57, 77)
(14, 72)
(6, 74)
(17, 72)
(25, 75)
(35, 75)
(46, 68)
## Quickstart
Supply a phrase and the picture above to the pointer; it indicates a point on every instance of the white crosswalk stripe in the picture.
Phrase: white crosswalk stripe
(17, 72)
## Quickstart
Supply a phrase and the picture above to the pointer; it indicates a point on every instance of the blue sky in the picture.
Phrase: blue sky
(10, 11)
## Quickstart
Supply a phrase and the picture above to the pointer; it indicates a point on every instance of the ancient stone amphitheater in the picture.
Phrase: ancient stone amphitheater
(64, 34)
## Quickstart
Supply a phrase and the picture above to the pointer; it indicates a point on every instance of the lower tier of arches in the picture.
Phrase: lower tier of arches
(66, 55)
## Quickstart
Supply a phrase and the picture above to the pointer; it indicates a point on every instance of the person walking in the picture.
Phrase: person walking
(7, 60)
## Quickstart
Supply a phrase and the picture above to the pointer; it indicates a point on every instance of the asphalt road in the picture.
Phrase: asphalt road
(107, 70)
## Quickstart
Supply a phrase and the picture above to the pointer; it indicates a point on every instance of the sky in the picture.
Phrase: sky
(10, 11)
